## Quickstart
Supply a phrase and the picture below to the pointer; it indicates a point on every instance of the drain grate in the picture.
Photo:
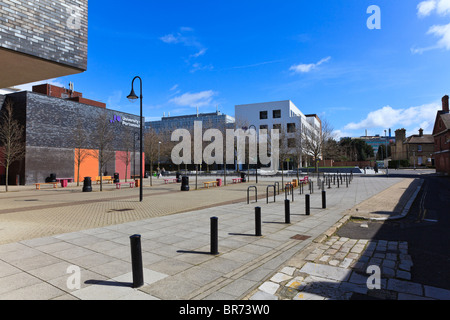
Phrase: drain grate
(300, 237)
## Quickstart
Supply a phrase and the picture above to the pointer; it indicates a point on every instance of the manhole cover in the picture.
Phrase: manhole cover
(300, 237)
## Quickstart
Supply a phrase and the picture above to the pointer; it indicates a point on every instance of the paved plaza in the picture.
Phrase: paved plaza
(47, 236)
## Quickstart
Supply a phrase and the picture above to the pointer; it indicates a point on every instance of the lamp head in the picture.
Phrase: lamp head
(132, 96)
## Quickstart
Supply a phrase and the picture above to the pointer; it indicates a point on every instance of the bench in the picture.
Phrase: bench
(210, 183)
(166, 181)
(305, 180)
(109, 179)
(119, 184)
(237, 180)
(38, 185)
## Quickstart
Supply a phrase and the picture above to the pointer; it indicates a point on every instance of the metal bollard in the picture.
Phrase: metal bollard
(258, 228)
(307, 205)
(324, 199)
(287, 211)
(136, 261)
(214, 236)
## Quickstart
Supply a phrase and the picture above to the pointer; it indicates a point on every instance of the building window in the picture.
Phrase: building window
(291, 127)
(291, 143)
(263, 115)
(276, 114)
(264, 127)
(419, 148)
(277, 127)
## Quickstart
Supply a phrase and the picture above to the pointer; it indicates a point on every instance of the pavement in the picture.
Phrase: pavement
(67, 245)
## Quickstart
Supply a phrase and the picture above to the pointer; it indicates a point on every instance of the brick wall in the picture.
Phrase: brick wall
(50, 124)
(55, 30)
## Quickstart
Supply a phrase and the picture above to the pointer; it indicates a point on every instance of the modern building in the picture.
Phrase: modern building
(441, 135)
(41, 40)
(282, 115)
(209, 120)
(52, 118)
(417, 150)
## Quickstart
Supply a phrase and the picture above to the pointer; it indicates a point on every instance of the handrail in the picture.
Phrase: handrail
(278, 185)
(274, 193)
(248, 194)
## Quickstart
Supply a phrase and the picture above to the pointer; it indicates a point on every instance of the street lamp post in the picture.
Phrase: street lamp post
(159, 144)
(133, 97)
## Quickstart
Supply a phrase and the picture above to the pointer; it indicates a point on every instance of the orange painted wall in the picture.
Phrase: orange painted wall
(89, 167)
(120, 164)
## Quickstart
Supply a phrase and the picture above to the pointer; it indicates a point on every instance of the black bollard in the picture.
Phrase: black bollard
(324, 199)
(136, 261)
(258, 232)
(214, 236)
(287, 211)
(307, 205)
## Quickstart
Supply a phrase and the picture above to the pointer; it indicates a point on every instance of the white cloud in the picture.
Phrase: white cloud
(199, 54)
(412, 118)
(170, 38)
(444, 33)
(199, 99)
(304, 68)
(425, 8)
(441, 7)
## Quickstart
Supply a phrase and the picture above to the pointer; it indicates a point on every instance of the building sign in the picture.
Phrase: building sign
(128, 122)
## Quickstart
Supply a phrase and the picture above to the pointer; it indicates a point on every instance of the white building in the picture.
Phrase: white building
(282, 115)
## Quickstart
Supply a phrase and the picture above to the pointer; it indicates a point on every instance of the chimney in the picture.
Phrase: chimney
(445, 104)
(421, 132)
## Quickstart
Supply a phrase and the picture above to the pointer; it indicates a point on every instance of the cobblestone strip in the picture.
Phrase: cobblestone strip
(338, 268)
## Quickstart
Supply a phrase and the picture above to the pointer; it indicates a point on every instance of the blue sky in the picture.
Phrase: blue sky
(319, 54)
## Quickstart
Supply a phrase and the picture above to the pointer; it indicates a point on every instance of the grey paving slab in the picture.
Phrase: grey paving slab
(176, 247)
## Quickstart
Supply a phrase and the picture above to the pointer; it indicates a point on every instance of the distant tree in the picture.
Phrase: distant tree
(80, 139)
(104, 137)
(381, 153)
(315, 141)
(12, 147)
(152, 147)
(356, 149)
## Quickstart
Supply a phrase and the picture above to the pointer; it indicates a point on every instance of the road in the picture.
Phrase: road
(426, 229)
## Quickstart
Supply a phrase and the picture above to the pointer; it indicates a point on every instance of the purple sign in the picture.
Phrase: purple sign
(116, 118)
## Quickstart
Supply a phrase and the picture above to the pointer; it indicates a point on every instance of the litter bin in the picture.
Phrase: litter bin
(64, 183)
(185, 183)
(116, 178)
(243, 177)
(219, 182)
(137, 183)
(87, 184)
